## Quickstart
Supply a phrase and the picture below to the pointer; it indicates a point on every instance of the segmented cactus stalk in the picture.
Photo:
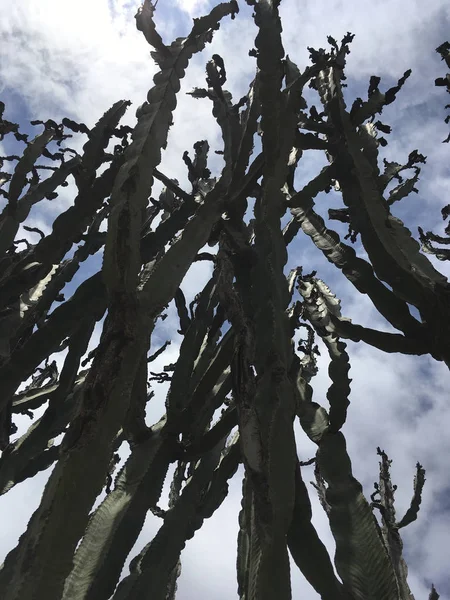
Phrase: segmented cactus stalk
(237, 354)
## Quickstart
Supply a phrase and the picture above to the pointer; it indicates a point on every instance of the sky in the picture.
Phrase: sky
(64, 59)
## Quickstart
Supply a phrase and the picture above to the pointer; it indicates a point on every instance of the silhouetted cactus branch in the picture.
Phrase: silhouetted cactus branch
(252, 372)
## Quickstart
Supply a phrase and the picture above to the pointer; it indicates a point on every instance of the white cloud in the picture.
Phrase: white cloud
(193, 7)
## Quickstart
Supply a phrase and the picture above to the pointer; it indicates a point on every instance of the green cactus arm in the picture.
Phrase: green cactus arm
(307, 549)
(183, 315)
(144, 23)
(313, 418)
(388, 342)
(413, 510)
(32, 398)
(113, 528)
(62, 323)
(224, 425)
(175, 263)
(369, 144)
(266, 419)
(90, 297)
(403, 189)
(391, 537)
(361, 559)
(393, 169)
(95, 281)
(320, 305)
(211, 389)
(174, 494)
(34, 442)
(9, 223)
(172, 585)
(67, 228)
(443, 50)
(208, 387)
(19, 317)
(37, 301)
(100, 136)
(135, 429)
(39, 462)
(243, 540)
(30, 155)
(376, 99)
(358, 271)
(249, 124)
(433, 594)
(208, 348)
(339, 390)
(92, 432)
(217, 489)
(76, 479)
(189, 351)
(226, 115)
(303, 200)
(150, 574)
(135, 179)
(393, 252)
(63, 401)
(205, 333)
(185, 259)
(125, 332)
(214, 400)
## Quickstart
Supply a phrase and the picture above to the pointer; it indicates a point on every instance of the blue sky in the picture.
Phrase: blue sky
(61, 59)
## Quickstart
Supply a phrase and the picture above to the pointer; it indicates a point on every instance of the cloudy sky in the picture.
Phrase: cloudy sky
(61, 59)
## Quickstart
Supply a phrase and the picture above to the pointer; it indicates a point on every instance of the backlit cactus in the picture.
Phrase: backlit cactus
(253, 372)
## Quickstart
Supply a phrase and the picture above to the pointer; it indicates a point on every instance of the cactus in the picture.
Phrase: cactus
(252, 372)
